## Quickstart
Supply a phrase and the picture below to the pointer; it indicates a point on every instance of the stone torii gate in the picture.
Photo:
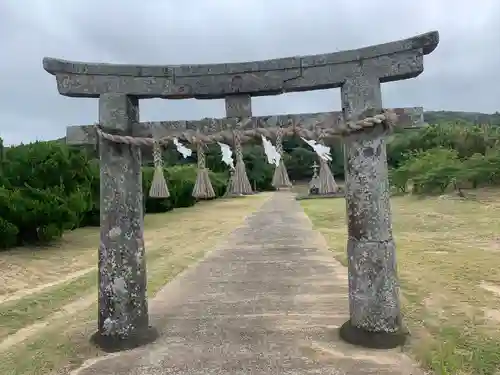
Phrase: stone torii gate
(375, 318)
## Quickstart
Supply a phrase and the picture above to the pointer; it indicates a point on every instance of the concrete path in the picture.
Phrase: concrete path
(269, 301)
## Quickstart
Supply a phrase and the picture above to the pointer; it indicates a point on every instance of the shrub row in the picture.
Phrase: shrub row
(446, 156)
(48, 187)
(438, 169)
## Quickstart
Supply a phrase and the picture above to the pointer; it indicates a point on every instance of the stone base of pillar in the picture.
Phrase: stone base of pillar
(372, 340)
(112, 343)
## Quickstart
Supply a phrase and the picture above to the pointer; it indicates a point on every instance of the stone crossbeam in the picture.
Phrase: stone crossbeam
(411, 117)
(387, 62)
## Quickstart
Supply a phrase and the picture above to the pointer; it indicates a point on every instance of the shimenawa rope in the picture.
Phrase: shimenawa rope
(388, 119)
(159, 187)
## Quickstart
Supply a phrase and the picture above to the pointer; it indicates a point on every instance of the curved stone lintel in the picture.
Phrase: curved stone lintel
(390, 61)
(428, 42)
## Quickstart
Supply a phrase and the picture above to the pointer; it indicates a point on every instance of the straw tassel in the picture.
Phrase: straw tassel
(327, 184)
(203, 186)
(159, 188)
(239, 182)
(280, 177)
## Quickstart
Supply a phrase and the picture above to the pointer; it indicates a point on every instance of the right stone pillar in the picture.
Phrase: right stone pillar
(374, 306)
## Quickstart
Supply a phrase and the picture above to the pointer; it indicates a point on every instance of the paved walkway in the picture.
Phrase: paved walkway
(268, 302)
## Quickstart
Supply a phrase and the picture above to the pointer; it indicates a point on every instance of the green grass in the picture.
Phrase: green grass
(175, 241)
(65, 345)
(18, 314)
(446, 250)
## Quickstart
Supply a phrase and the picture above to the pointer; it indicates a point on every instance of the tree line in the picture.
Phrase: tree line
(49, 187)
(454, 155)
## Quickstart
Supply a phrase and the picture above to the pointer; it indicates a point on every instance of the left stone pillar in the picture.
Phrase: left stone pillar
(123, 321)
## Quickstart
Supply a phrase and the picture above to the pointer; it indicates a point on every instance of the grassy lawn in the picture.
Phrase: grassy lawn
(448, 253)
(46, 330)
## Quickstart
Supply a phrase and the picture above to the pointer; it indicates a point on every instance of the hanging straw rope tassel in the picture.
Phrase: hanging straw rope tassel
(280, 177)
(327, 184)
(159, 188)
(239, 183)
(203, 186)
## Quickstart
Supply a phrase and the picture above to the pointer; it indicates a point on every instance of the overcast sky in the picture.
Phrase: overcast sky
(463, 73)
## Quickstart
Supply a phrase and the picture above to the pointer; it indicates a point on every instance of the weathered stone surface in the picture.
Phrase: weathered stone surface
(389, 62)
(268, 301)
(373, 284)
(410, 117)
(238, 106)
(123, 309)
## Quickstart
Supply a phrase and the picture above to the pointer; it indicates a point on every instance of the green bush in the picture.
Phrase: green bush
(429, 171)
(436, 169)
(259, 171)
(481, 170)
(39, 215)
(48, 187)
(219, 182)
(49, 232)
(8, 234)
(180, 182)
(399, 178)
(299, 163)
(91, 217)
(439, 156)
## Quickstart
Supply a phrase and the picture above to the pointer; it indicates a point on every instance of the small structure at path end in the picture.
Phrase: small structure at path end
(375, 314)
(324, 184)
(316, 186)
(314, 183)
